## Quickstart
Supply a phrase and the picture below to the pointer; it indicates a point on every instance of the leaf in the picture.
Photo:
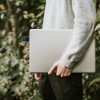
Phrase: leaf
(97, 27)
(13, 61)
(2, 33)
(94, 81)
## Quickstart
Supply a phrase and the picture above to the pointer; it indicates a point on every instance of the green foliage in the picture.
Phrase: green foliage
(91, 82)
(16, 18)
(16, 83)
(97, 79)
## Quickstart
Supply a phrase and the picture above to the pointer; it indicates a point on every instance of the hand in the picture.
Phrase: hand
(37, 76)
(60, 70)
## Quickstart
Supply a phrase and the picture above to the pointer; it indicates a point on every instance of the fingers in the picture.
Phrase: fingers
(60, 70)
(37, 76)
(53, 68)
(67, 72)
(63, 71)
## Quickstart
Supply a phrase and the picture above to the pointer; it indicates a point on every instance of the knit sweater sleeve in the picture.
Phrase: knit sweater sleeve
(84, 20)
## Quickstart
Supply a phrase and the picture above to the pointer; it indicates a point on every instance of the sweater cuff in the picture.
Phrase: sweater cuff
(67, 62)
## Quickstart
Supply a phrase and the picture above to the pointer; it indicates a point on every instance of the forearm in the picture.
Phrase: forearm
(82, 33)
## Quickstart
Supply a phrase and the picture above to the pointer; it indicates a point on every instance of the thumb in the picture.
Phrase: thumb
(37, 76)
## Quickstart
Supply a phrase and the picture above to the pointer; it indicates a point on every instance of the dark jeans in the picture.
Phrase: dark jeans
(54, 87)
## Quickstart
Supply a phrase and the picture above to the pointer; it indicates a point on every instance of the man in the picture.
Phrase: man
(79, 15)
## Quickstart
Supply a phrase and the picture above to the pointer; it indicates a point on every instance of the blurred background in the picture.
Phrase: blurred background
(16, 83)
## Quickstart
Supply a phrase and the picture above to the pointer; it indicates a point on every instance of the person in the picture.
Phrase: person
(60, 83)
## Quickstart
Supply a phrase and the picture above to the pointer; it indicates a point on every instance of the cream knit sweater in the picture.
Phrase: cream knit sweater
(79, 15)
